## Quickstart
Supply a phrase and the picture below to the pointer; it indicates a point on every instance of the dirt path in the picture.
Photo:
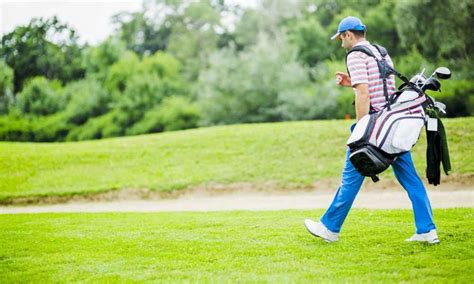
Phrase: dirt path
(384, 195)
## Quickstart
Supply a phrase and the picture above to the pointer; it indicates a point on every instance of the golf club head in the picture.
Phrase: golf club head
(441, 107)
(443, 73)
(432, 84)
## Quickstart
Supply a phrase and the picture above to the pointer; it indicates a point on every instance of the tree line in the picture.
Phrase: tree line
(185, 64)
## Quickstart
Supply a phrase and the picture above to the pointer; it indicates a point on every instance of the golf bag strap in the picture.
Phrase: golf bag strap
(381, 63)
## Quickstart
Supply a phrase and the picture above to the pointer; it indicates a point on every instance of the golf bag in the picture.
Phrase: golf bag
(378, 138)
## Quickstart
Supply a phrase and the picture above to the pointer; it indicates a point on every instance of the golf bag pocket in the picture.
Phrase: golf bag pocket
(399, 133)
(407, 133)
(361, 131)
(369, 160)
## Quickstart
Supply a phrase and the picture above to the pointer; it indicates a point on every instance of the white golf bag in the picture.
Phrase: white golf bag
(378, 138)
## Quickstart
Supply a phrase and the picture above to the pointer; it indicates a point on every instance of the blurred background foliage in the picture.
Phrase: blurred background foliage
(185, 64)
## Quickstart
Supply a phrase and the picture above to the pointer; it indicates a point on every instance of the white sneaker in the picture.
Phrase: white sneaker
(318, 229)
(431, 237)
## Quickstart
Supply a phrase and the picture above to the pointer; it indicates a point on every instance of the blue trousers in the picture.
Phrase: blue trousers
(352, 181)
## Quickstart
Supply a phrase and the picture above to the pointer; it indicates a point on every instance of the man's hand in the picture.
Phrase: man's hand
(343, 79)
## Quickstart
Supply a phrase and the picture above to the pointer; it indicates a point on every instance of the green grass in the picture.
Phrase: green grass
(232, 246)
(291, 153)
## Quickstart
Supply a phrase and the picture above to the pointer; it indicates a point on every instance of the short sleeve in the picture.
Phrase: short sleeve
(357, 68)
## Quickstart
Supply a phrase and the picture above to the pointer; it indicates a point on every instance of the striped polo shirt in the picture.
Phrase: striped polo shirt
(363, 69)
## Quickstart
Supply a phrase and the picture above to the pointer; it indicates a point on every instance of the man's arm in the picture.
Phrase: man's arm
(362, 100)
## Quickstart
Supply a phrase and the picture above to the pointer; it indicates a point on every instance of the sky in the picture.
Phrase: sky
(90, 18)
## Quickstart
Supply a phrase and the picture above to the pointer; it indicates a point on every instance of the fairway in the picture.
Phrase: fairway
(232, 246)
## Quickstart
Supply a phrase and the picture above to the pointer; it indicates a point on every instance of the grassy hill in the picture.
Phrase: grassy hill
(288, 153)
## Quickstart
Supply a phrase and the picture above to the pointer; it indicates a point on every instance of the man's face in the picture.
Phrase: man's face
(346, 41)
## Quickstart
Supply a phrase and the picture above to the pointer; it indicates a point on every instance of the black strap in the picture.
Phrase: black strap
(406, 81)
(383, 52)
(375, 178)
(381, 63)
(366, 50)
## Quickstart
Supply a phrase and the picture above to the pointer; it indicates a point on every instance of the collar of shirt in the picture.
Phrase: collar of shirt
(364, 42)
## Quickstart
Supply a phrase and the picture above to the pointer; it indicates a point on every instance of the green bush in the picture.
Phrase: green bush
(174, 113)
(133, 86)
(178, 113)
(50, 128)
(87, 99)
(458, 95)
(111, 124)
(151, 123)
(160, 65)
(142, 92)
(345, 106)
(15, 128)
(39, 129)
(41, 97)
(341, 98)
(121, 71)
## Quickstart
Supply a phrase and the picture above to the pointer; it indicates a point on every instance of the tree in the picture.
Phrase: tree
(440, 30)
(271, 17)
(42, 48)
(381, 27)
(262, 83)
(98, 59)
(142, 34)
(6, 87)
(312, 41)
(193, 36)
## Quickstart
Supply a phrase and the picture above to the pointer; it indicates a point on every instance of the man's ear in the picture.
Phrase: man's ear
(350, 35)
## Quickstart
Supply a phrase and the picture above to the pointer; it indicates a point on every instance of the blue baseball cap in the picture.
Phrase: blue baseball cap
(349, 23)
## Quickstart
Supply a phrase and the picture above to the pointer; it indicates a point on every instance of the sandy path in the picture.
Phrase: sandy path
(252, 200)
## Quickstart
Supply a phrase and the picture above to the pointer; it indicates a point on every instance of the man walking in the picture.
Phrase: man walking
(364, 78)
